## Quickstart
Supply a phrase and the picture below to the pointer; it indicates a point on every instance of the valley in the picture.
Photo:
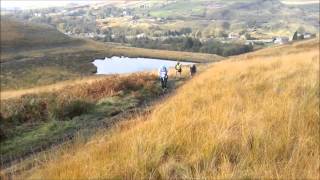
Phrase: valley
(233, 99)
(217, 27)
(160, 89)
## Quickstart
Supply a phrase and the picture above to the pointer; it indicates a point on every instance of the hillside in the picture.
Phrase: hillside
(16, 35)
(169, 24)
(252, 116)
(34, 54)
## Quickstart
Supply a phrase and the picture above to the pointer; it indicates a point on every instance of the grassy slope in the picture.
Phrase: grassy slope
(34, 121)
(16, 35)
(108, 98)
(253, 116)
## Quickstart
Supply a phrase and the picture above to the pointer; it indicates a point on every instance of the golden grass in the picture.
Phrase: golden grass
(242, 118)
(48, 88)
(9, 94)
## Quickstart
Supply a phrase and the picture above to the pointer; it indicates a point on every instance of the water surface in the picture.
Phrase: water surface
(121, 65)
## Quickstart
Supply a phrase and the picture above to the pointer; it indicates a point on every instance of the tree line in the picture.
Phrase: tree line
(186, 44)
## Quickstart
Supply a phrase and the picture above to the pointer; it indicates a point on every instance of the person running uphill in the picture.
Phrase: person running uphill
(178, 68)
(193, 70)
(163, 74)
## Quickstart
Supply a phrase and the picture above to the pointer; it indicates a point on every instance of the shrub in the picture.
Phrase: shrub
(68, 110)
(2, 133)
(72, 100)
(29, 108)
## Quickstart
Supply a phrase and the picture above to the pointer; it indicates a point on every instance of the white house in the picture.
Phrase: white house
(307, 35)
(142, 35)
(233, 35)
(281, 40)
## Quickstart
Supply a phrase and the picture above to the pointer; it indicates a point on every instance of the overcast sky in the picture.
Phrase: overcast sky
(27, 4)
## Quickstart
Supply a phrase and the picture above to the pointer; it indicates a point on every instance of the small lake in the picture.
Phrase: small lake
(121, 65)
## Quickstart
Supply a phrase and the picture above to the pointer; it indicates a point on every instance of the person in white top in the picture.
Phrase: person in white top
(163, 75)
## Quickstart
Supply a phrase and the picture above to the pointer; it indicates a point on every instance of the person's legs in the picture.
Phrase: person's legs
(165, 82)
(161, 81)
(178, 73)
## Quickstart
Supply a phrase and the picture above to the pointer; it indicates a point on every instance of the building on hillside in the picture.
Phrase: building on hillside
(307, 35)
(259, 41)
(145, 6)
(243, 37)
(281, 40)
(233, 35)
(142, 35)
(39, 14)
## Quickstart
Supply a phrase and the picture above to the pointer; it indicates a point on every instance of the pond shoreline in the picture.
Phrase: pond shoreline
(124, 65)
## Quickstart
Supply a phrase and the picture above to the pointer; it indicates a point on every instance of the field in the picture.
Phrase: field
(254, 115)
(206, 18)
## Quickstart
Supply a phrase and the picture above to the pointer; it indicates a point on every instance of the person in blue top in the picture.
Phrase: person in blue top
(163, 75)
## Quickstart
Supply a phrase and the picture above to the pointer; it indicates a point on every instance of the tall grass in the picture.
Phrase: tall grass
(34, 122)
(254, 118)
(32, 105)
(70, 101)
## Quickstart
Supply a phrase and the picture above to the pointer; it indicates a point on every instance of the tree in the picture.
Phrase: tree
(295, 36)
(187, 43)
(185, 30)
(226, 25)
(301, 29)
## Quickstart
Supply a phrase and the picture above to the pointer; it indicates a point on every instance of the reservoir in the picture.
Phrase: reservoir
(121, 65)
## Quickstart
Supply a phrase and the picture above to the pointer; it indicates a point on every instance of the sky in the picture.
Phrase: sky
(27, 4)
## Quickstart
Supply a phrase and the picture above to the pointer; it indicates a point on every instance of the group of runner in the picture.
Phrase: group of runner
(163, 73)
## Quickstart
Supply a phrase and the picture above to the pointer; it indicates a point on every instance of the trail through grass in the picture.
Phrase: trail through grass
(254, 116)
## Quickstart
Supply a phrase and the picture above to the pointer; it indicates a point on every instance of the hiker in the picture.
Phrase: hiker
(163, 74)
(178, 68)
(193, 70)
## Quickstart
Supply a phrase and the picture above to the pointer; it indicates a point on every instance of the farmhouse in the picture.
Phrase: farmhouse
(142, 35)
(281, 40)
(233, 35)
(307, 35)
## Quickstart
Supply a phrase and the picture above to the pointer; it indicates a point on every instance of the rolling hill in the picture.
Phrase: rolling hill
(210, 18)
(252, 116)
(17, 35)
